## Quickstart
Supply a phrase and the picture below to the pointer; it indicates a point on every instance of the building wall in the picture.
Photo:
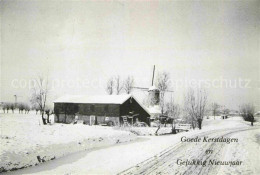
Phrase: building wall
(65, 112)
(86, 119)
(110, 110)
(65, 108)
(62, 118)
(132, 105)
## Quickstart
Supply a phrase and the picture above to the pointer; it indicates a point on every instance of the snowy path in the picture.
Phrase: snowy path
(166, 162)
(153, 155)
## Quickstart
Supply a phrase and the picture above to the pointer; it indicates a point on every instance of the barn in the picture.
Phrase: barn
(100, 109)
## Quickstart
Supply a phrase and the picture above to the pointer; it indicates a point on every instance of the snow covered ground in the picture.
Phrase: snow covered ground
(248, 151)
(25, 143)
(146, 131)
(145, 151)
(211, 123)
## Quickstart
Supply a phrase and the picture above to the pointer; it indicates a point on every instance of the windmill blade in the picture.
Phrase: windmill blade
(168, 91)
(141, 88)
(153, 74)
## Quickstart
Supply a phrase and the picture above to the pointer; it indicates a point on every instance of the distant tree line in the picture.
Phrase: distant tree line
(22, 107)
(115, 85)
(38, 101)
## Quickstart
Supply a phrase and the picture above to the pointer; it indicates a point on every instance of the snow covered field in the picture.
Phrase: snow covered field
(247, 150)
(23, 140)
(25, 143)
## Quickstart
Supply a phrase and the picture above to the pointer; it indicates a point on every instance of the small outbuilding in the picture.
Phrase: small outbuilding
(100, 109)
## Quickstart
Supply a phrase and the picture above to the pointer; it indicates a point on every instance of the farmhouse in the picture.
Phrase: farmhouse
(100, 109)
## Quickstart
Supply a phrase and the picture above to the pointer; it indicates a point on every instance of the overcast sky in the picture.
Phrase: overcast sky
(84, 41)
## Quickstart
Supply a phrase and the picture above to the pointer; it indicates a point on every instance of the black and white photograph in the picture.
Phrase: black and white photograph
(129, 87)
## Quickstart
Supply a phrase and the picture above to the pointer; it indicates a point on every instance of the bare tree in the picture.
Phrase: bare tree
(27, 108)
(6, 107)
(247, 111)
(35, 107)
(39, 95)
(21, 107)
(173, 111)
(163, 84)
(195, 105)
(215, 109)
(110, 86)
(118, 84)
(12, 107)
(226, 111)
(128, 84)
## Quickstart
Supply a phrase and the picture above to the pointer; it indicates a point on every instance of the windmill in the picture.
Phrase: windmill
(153, 92)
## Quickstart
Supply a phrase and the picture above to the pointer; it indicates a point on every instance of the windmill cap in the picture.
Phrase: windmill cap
(152, 88)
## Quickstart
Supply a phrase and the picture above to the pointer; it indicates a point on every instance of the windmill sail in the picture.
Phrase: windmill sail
(153, 74)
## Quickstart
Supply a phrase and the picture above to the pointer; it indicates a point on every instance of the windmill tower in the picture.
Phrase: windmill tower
(154, 93)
